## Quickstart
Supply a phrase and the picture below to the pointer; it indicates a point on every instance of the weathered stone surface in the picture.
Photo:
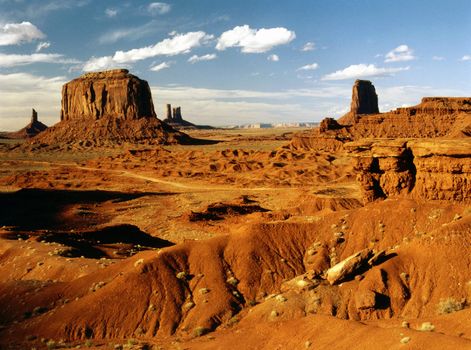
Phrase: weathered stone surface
(169, 112)
(364, 98)
(177, 115)
(114, 93)
(365, 299)
(329, 124)
(34, 116)
(422, 169)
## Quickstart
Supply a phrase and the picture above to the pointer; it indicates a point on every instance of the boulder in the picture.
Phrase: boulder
(348, 267)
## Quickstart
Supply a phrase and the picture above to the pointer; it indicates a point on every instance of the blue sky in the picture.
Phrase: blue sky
(235, 62)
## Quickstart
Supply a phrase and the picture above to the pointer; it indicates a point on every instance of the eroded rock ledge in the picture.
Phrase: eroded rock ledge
(425, 169)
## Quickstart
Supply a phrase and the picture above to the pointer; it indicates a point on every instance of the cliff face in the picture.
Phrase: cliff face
(430, 170)
(114, 93)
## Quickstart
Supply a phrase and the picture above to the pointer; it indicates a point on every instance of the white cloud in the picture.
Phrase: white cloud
(401, 53)
(42, 45)
(7, 60)
(158, 8)
(254, 40)
(18, 33)
(111, 12)
(178, 44)
(196, 58)
(160, 66)
(438, 58)
(356, 71)
(309, 46)
(273, 58)
(19, 92)
(466, 58)
(312, 66)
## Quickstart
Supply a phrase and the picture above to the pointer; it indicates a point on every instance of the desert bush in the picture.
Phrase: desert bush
(449, 305)
(233, 281)
(199, 331)
(427, 327)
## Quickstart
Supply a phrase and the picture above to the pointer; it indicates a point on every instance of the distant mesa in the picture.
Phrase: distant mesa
(434, 117)
(106, 108)
(174, 119)
(32, 129)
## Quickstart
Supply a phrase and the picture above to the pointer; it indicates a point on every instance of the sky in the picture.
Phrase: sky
(236, 62)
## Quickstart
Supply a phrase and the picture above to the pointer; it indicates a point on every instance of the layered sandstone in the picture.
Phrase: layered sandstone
(114, 93)
(106, 108)
(430, 170)
(364, 101)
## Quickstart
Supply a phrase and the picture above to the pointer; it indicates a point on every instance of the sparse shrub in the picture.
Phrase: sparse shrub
(51, 344)
(232, 281)
(280, 298)
(405, 340)
(427, 327)
(199, 331)
(204, 291)
(449, 305)
(132, 341)
(138, 262)
(182, 275)
(88, 343)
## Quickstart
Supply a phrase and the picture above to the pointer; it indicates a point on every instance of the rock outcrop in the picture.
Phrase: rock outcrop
(364, 101)
(430, 170)
(105, 108)
(175, 119)
(434, 117)
(116, 94)
(32, 129)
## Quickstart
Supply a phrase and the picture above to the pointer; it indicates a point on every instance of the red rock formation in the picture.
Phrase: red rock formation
(364, 101)
(32, 129)
(114, 93)
(433, 117)
(431, 170)
(106, 108)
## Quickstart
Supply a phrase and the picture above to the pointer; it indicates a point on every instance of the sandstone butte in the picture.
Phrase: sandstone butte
(106, 108)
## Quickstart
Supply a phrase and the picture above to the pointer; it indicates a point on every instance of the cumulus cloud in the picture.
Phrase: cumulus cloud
(466, 58)
(111, 12)
(196, 58)
(160, 66)
(273, 58)
(176, 45)
(401, 53)
(12, 60)
(254, 40)
(362, 71)
(22, 91)
(158, 8)
(309, 46)
(42, 45)
(18, 33)
(312, 66)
